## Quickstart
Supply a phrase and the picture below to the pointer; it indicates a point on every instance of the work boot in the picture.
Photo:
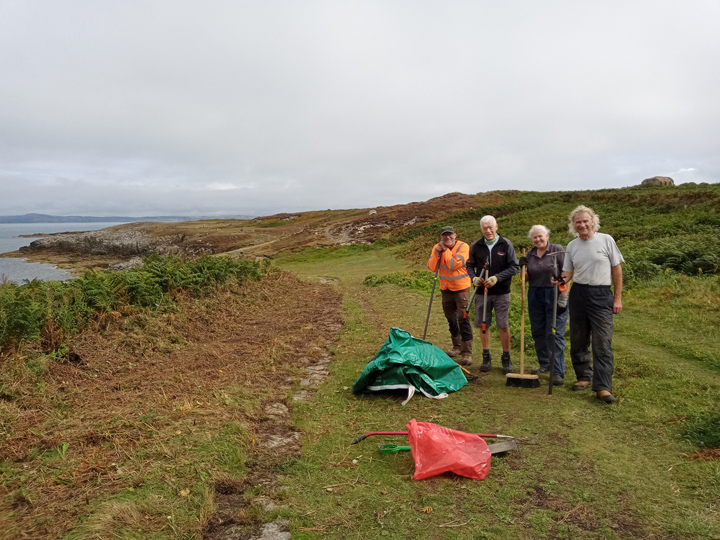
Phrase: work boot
(457, 347)
(506, 365)
(465, 353)
(487, 362)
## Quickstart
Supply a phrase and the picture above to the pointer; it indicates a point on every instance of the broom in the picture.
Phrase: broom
(520, 380)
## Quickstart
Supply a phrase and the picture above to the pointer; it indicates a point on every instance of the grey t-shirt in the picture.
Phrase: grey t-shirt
(591, 260)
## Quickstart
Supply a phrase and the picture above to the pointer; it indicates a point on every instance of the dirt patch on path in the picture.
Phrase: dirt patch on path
(230, 361)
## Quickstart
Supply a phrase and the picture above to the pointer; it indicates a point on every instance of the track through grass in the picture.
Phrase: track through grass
(582, 469)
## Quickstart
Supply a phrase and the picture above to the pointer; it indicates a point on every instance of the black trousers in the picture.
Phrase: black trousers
(591, 324)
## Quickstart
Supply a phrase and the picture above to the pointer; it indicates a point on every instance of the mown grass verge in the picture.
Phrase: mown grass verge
(582, 469)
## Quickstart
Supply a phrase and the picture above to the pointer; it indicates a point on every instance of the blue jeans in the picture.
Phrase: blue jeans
(540, 309)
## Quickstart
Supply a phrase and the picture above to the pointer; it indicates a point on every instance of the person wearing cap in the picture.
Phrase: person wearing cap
(497, 254)
(449, 259)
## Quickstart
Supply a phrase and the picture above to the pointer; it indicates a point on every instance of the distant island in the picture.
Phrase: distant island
(44, 218)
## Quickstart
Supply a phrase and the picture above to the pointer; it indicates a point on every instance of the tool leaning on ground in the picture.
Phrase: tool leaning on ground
(484, 275)
(495, 448)
(559, 285)
(483, 435)
(521, 380)
(427, 320)
(437, 449)
(432, 294)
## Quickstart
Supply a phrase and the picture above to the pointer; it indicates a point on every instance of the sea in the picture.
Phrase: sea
(20, 270)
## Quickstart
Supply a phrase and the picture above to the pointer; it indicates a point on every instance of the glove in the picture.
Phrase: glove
(562, 304)
(523, 261)
(477, 281)
(489, 282)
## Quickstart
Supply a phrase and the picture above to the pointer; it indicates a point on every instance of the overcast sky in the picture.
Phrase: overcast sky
(255, 107)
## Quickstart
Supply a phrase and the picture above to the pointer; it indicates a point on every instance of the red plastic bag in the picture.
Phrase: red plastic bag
(437, 449)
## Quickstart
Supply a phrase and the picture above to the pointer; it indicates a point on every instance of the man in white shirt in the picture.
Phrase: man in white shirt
(592, 262)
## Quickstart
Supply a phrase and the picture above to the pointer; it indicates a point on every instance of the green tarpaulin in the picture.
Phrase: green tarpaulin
(406, 362)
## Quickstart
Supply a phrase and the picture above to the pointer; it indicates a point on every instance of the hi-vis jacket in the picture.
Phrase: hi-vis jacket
(453, 273)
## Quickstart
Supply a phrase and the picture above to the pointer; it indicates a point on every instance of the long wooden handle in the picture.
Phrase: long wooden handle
(522, 320)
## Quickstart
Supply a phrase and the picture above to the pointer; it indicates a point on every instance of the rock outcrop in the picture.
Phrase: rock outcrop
(123, 243)
(658, 181)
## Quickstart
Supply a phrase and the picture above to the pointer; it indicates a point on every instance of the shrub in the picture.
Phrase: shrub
(417, 280)
(64, 309)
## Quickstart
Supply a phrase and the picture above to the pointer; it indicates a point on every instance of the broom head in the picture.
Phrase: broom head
(520, 380)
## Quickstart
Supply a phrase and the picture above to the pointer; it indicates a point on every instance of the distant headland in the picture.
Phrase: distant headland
(45, 218)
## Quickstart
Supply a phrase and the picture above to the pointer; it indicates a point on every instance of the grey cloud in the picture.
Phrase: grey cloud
(151, 107)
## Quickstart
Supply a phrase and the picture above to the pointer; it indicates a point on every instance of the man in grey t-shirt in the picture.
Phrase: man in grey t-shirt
(592, 262)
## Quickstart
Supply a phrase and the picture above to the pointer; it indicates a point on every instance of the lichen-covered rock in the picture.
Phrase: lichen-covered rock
(135, 262)
(123, 242)
(658, 181)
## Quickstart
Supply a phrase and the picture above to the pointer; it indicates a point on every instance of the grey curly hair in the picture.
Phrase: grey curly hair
(583, 210)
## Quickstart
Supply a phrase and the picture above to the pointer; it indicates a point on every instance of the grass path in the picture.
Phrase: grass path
(581, 470)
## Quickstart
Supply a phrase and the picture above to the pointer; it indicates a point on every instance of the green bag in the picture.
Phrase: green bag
(406, 362)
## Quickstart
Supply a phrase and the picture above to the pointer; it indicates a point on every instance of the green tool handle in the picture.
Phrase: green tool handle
(393, 448)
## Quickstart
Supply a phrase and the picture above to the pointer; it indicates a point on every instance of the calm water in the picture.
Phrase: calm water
(18, 270)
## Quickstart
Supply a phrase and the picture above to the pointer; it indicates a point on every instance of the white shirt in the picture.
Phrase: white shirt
(591, 260)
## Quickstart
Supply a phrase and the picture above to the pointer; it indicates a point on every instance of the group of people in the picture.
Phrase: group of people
(591, 262)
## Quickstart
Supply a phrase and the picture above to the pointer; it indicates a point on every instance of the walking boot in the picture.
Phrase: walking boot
(506, 365)
(487, 362)
(465, 353)
(456, 348)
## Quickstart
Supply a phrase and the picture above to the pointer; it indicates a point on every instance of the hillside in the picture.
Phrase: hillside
(634, 216)
(259, 237)
(182, 407)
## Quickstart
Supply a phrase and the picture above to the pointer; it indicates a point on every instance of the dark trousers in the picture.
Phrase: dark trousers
(454, 304)
(591, 323)
(541, 301)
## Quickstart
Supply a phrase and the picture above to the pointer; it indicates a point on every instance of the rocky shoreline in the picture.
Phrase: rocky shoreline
(122, 243)
(114, 248)
(259, 238)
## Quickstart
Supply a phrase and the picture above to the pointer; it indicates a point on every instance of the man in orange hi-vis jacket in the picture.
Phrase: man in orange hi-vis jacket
(451, 255)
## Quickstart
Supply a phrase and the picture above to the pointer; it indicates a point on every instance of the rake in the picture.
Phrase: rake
(506, 445)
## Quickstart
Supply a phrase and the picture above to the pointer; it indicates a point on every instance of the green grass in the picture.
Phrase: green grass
(595, 471)
(582, 470)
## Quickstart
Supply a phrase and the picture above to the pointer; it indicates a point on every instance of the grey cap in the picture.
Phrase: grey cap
(447, 229)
